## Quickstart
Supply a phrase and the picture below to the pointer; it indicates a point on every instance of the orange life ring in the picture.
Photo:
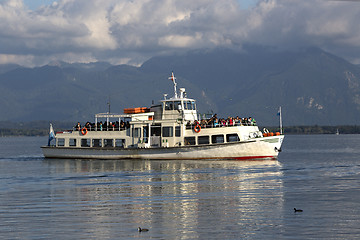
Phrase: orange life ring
(197, 128)
(84, 131)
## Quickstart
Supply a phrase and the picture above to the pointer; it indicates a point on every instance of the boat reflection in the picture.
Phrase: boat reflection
(171, 194)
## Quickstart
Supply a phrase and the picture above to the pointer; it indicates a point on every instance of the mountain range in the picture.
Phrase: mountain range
(312, 86)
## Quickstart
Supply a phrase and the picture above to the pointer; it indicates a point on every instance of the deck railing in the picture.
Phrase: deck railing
(219, 125)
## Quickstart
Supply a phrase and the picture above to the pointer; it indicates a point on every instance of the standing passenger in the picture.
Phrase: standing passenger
(78, 126)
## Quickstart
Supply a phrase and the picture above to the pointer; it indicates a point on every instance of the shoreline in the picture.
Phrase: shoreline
(292, 130)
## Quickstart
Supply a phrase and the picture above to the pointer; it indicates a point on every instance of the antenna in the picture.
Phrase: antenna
(108, 103)
(173, 78)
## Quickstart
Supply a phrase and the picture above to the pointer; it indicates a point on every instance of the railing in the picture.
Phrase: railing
(219, 125)
(99, 128)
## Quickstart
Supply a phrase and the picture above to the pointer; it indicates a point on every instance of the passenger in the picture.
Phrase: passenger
(216, 122)
(253, 121)
(237, 121)
(223, 122)
(87, 125)
(78, 126)
(101, 126)
(203, 123)
(230, 121)
(122, 125)
(245, 121)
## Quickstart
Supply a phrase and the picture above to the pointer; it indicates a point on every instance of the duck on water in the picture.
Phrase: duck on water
(171, 129)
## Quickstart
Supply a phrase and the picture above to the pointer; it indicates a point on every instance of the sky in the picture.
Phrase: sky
(36, 32)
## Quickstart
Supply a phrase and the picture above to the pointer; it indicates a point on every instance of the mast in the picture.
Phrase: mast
(173, 78)
(107, 119)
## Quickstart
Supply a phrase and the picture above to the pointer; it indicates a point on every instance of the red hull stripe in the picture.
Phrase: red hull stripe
(253, 157)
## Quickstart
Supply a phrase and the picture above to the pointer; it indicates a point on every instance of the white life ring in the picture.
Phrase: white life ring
(253, 135)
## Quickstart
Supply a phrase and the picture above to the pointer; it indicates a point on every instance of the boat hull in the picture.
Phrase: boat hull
(260, 148)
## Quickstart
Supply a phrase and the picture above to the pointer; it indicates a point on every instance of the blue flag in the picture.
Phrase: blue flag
(51, 134)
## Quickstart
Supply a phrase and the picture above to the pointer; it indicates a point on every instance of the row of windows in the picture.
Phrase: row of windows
(176, 105)
(85, 142)
(169, 131)
(166, 132)
(214, 139)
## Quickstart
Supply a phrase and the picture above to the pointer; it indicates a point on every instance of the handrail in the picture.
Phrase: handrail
(219, 125)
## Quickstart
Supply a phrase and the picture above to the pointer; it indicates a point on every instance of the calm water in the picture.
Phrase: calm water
(80, 199)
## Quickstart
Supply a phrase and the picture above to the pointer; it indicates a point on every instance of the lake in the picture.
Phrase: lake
(97, 199)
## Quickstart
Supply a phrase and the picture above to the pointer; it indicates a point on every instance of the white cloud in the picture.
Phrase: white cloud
(130, 31)
(180, 41)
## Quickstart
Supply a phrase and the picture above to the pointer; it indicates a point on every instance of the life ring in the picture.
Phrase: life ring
(84, 131)
(253, 135)
(197, 128)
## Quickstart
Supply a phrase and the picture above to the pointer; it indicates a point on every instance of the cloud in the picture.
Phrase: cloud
(131, 31)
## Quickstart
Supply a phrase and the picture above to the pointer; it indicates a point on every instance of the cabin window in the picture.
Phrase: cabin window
(169, 105)
(72, 142)
(187, 105)
(146, 134)
(177, 105)
(60, 142)
(85, 142)
(156, 130)
(108, 142)
(177, 131)
(119, 142)
(232, 137)
(167, 131)
(193, 106)
(203, 140)
(136, 132)
(217, 138)
(189, 141)
(96, 142)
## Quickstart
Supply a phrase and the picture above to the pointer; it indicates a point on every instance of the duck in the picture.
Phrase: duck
(297, 210)
(143, 229)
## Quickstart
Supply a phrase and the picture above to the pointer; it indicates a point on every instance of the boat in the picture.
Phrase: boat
(169, 130)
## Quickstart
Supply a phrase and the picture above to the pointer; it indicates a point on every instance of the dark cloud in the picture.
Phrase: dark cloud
(130, 31)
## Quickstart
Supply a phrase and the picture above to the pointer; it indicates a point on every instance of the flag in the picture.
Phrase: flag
(172, 78)
(51, 134)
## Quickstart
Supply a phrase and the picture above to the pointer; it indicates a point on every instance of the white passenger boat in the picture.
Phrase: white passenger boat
(171, 129)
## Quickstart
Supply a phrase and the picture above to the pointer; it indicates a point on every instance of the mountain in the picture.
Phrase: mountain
(311, 85)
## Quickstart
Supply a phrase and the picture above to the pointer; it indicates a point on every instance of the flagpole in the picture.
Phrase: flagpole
(281, 131)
